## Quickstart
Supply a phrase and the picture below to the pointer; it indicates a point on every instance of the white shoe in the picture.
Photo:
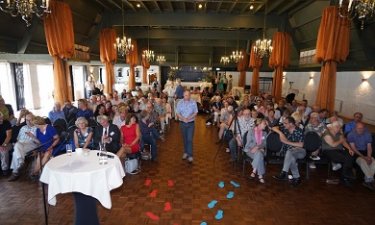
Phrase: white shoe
(227, 150)
(336, 166)
(208, 123)
(290, 177)
(312, 165)
(315, 157)
(190, 159)
(184, 156)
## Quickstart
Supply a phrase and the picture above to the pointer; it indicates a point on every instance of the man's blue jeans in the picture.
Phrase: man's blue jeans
(187, 130)
(150, 140)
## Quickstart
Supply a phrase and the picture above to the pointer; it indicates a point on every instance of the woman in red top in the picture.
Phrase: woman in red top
(131, 135)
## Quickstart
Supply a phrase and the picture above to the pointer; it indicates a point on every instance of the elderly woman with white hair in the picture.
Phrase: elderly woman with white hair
(336, 148)
(83, 134)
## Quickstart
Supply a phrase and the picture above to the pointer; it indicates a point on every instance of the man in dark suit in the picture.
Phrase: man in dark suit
(107, 133)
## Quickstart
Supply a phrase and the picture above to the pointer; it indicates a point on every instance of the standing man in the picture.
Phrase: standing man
(171, 91)
(186, 112)
(179, 94)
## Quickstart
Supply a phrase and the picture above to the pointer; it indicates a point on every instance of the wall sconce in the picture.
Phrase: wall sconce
(364, 79)
(311, 77)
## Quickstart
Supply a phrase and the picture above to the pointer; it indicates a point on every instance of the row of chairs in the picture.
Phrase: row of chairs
(274, 155)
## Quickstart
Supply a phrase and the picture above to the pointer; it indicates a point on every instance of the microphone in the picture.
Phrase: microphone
(104, 154)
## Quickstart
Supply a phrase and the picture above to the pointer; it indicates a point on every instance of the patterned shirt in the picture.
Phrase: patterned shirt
(295, 136)
(244, 124)
(23, 137)
(187, 108)
(319, 129)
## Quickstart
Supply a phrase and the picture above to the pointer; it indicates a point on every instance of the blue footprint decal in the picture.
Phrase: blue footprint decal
(203, 223)
(221, 184)
(235, 184)
(230, 195)
(219, 215)
(212, 204)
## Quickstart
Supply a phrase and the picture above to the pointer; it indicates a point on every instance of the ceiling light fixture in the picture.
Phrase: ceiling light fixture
(263, 47)
(362, 9)
(237, 55)
(25, 8)
(200, 6)
(225, 59)
(138, 5)
(148, 54)
(123, 45)
(160, 59)
(251, 7)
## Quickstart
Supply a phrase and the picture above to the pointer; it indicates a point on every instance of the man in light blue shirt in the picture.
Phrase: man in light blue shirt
(25, 143)
(186, 112)
(56, 113)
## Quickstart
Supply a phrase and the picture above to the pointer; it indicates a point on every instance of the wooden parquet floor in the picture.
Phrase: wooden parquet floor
(314, 202)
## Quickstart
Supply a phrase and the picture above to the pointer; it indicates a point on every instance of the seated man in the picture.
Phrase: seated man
(56, 113)
(5, 137)
(107, 133)
(147, 135)
(357, 117)
(360, 140)
(333, 143)
(314, 125)
(292, 138)
(25, 143)
(70, 111)
(83, 110)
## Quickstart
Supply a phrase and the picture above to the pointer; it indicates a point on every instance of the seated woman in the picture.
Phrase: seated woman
(47, 138)
(333, 143)
(147, 133)
(255, 148)
(100, 111)
(131, 136)
(83, 134)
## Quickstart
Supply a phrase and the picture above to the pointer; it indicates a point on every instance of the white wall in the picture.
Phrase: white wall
(352, 94)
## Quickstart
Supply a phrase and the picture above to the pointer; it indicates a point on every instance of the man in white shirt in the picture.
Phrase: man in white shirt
(171, 91)
(25, 143)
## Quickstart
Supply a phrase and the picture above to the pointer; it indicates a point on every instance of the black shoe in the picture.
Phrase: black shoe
(346, 182)
(295, 182)
(5, 173)
(13, 177)
(369, 186)
(282, 176)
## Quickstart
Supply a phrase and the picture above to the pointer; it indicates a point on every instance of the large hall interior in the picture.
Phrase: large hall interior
(179, 112)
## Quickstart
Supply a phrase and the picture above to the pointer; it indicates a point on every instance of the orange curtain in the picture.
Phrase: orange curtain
(256, 64)
(108, 56)
(132, 60)
(279, 59)
(58, 30)
(241, 67)
(146, 66)
(332, 47)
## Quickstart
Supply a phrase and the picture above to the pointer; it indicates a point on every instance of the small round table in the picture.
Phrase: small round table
(86, 179)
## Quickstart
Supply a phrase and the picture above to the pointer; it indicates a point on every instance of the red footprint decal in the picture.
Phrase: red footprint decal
(152, 216)
(170, 183)
(153, 193)
(148, 182)
(167, 206)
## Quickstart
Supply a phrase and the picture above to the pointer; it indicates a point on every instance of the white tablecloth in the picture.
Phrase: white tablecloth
(79, 173)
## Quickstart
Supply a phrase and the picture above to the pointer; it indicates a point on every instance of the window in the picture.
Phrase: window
(7, 87)
(78, 82)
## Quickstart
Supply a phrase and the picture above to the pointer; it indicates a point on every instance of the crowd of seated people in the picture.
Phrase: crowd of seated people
(125, 125)
(254, 117)
(128, 122)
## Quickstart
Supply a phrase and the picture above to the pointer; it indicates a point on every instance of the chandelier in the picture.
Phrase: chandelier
(362, 9)
(25, 8)
(160, 59)
(225, 59)
(148, 54)
(263, 47)
(236, 56)
(123, 45)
